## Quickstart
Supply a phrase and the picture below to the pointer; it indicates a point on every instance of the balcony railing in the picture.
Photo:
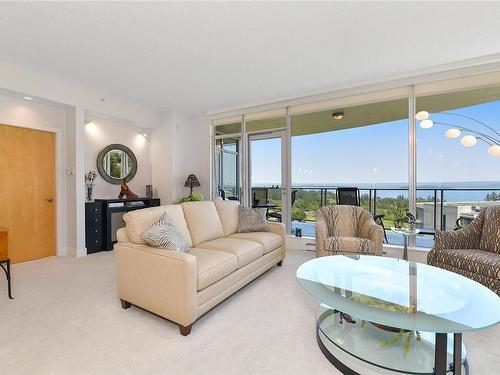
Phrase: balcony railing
(437, 208)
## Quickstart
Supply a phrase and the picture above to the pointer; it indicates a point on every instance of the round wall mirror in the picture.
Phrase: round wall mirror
(116, 162)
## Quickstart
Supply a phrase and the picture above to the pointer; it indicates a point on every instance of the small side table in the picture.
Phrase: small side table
(406, 233)
(4, 256)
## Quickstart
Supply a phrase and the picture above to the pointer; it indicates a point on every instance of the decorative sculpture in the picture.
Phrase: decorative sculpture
(125, 191)
(412, 220)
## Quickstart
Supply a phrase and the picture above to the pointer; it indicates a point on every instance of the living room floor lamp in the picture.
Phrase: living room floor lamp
(489, 136)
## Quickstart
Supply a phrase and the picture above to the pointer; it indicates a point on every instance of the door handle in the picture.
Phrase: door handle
(50, 200)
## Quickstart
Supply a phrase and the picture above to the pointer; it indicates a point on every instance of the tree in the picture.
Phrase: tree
(298, 214)
(493, 196)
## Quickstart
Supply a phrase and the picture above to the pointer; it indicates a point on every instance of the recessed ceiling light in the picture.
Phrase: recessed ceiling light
(338, 115)
(27, 98)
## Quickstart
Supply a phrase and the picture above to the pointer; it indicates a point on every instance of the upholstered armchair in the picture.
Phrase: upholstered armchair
(473, 251)
(347, 230)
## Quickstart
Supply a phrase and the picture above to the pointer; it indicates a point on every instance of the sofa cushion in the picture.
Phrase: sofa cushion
(163, 233)
(139, 220)
(203, 221)
(229, 213)
(490, 236)
(480, 262)
(349, 245)
(245, 251)
(213, 265)
(269, 241)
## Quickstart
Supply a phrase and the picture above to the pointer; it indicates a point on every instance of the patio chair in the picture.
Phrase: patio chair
(222, 194)
(350, 196)
(259, 195)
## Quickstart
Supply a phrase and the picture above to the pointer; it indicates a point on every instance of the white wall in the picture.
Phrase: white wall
(177, 146)
(46, 86)
(73, 101)
(162, 158)
(100, 133)
(180, 146)
(29, 114)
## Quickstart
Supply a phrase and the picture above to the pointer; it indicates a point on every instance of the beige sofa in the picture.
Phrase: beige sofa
(182, 287)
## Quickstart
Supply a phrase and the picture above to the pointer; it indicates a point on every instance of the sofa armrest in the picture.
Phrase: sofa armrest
(279, 229)
(374, 232)
(121, 235)
(466, 238)
(161, 281)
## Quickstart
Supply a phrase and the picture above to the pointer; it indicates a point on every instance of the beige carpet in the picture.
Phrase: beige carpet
(66, 319)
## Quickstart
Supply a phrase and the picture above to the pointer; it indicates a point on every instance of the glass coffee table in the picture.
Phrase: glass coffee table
(397, 316)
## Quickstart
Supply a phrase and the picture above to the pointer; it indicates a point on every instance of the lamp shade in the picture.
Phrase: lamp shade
(468, 141)
(191, 181)
(452, 133)
(422, 115)
(494, 150)
(426, 124)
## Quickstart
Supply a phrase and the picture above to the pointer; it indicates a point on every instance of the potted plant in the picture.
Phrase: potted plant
(90, 177)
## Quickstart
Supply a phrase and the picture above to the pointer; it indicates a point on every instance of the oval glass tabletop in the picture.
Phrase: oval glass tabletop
(412, 353)
(400, 294)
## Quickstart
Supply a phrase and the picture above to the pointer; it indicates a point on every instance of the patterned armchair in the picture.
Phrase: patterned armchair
(473, 251)
(347, 230)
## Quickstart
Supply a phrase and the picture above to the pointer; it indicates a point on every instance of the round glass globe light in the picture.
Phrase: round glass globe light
(468, 141)
(494, 151)
(426, 124)
(452, 133)
(422, 115)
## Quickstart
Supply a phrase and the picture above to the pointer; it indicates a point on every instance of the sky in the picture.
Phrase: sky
(377, 154)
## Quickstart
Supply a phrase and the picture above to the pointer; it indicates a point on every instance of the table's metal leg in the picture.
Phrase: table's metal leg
(441, 354)
(405, 250)
(457, 354)
(9, 280)
(7, 274)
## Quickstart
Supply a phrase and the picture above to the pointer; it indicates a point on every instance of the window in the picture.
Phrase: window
(364, 141)
(228, 167)
(227, 158)
(455, 156)
(364, 146)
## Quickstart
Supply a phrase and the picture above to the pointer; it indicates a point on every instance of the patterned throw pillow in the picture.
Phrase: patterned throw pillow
(162, 233)
(251, 220)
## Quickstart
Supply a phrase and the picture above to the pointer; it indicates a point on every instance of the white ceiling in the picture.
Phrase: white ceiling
(196, 57)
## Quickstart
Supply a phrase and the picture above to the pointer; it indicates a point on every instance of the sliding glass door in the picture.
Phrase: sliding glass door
(266, 173)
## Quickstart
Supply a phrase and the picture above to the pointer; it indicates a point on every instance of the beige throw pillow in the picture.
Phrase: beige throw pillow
(251, 220)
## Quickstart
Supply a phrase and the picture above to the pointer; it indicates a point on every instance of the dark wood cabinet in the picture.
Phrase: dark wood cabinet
(94, 227)
(103, 219)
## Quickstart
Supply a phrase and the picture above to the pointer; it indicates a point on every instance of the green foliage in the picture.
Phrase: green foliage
(115, 167)
(395, 208)
(308, 201)
(493, 196)
(298, 214)
(195, 197)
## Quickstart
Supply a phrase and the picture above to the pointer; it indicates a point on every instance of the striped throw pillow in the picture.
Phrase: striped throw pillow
(251, 220)
(162, 233)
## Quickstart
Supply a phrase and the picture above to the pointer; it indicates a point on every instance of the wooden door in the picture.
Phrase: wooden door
(27, 192)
